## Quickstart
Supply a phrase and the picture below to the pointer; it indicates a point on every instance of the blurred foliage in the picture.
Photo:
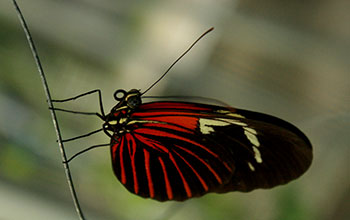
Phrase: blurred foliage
(285, 58)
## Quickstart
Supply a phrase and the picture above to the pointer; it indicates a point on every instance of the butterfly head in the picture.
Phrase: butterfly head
(130, 99)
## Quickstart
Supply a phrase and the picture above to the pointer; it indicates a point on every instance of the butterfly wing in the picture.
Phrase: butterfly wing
(271, 151)
(179, 150)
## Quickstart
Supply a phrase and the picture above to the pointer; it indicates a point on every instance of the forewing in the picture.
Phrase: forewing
(266, 150)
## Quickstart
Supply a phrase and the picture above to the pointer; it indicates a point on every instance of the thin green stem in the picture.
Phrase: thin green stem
(52, 111)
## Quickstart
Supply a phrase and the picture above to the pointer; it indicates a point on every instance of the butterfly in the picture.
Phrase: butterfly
(179, 150)
(170, 150)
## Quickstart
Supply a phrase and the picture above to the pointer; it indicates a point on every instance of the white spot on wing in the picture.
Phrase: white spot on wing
(205, 125)
(250, 133)
(252, 137)
(251, 130)
(230, 113)
(251, 167)
(233, 121)
(257, 155)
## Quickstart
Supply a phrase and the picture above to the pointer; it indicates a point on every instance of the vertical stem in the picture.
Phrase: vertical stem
(52, 111)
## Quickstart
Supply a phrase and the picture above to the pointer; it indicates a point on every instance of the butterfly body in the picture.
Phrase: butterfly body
(179, 150)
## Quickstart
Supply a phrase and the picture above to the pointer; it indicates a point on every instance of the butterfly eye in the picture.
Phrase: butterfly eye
(134, 101)
(119, 94)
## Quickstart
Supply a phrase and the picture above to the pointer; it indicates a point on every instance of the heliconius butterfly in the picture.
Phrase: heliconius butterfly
(179, 150)
(170, 150)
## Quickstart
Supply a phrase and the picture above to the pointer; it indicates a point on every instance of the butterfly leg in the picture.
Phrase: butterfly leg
(100, 115)
(98, 91)
(85, 150)
(82, 136)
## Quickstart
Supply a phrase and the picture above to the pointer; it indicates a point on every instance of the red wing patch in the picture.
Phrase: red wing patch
(168, 159)
(173, 106)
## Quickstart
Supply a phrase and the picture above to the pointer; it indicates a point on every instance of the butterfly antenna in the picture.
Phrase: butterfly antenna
(177, 60)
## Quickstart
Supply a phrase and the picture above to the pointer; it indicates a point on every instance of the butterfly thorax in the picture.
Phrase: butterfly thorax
(120, 114)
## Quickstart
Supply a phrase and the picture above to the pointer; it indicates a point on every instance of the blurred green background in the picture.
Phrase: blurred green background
(290, 59)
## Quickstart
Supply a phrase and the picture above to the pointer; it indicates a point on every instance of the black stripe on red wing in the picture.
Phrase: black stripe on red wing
(200, 178)
(180, 172)
(131, 165)
(122, 177)
(180, 168)
(161, 133)
(168, 189)
(152, 143)
(210, 168)
(132, 152)
(148, 174)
